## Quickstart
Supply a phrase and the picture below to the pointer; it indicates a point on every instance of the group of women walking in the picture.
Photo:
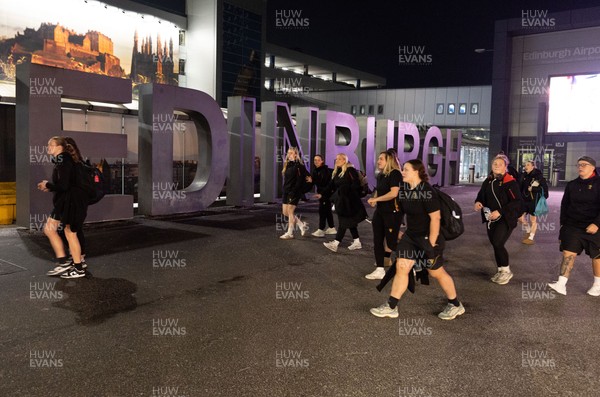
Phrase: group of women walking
(398, 192)
(404, 191)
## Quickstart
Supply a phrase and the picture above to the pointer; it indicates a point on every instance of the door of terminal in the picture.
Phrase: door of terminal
(524, 155)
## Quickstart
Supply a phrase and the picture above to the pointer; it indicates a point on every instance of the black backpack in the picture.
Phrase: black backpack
(90, 180)
(451, 225)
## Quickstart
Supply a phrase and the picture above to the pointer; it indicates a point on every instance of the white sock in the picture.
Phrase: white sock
(356, 241)
(596, 280)
(531, 236)
(562, 280)
(504, 269)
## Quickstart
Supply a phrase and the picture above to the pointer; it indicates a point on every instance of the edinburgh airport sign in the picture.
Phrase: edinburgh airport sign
(227, 148)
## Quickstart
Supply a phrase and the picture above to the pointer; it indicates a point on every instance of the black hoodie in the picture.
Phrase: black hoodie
(580, 205)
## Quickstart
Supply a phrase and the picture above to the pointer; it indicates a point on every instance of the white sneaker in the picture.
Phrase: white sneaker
(286, 236)
(331, 230)
(495, 276)
(377, 274)
(560, 288)
(355, 246)
(332, 245)
(594, 291)
(451, 311)
(318, 233)
(385, 311)
(303, 228)
(504, 278)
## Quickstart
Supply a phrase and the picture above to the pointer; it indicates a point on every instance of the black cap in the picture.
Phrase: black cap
(588, 159)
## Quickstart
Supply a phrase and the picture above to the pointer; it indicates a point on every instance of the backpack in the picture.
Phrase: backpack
(303, 174)
(451, 225)
(90, 180)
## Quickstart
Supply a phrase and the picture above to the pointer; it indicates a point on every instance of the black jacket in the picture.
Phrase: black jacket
(536, 191)
(292, 178)
(69, 200)
(580, 205)
(345, 195)
(502, 195)
(321, 177)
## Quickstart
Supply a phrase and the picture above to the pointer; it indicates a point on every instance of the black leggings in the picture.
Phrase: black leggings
(498, 234)
(385, 226)
(342, 230)
(325, 214)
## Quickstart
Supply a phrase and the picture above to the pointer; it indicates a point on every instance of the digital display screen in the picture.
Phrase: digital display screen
(574, 103)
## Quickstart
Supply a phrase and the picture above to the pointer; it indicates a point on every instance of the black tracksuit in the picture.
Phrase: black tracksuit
(502, 195)
(580, 205)
(321, 177)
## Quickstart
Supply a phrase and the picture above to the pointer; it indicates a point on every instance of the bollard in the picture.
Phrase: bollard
(472, 173)
(554, 178)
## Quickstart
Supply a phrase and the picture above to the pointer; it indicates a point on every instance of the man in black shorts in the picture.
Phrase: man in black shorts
(579, 220)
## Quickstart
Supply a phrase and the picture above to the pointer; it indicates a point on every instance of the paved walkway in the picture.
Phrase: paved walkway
(218, 305)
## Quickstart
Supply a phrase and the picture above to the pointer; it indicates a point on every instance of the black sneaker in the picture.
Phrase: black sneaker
(59, 269)
(70, 262)
(73, 273)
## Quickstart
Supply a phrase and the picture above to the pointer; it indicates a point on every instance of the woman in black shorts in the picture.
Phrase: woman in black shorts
(70, 207)
(293, 169)
(533, 185)
(421, 245)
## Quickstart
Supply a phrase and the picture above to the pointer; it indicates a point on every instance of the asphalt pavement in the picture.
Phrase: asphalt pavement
(215, 304)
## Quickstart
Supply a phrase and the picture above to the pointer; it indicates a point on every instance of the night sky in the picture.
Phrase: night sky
(367, 37)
